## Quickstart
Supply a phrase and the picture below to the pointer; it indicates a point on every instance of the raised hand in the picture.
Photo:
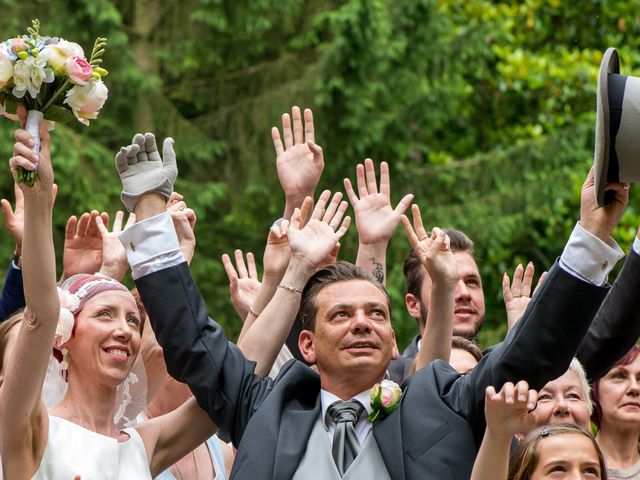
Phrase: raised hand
(312, 243)
(436, 256)
(184, 222)
(376, 219)
(507, 411)
(243, 282)
(14, 218)
(276, 253)
(433, 251)
(24, 157)
(82, 244)
(518, 295)
(299, 160)
(114, 256)
(142, 170)
(600, 221)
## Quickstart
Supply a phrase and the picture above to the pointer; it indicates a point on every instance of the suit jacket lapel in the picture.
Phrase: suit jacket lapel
(387, 433)
(295, 429)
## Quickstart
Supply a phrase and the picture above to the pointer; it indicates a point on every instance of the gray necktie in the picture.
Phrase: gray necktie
(345, 441)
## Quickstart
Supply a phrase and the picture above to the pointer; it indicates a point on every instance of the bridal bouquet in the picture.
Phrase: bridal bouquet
(52, 79)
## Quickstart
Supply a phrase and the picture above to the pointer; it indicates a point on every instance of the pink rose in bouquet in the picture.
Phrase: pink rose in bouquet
(79, 70)
(59, 53)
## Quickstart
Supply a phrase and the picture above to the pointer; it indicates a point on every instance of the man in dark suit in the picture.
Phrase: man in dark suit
(438, 427)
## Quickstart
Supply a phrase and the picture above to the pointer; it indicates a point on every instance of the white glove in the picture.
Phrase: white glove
(142, 170)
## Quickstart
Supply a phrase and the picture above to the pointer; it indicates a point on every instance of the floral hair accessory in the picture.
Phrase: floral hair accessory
(69, 303)
(385, 398)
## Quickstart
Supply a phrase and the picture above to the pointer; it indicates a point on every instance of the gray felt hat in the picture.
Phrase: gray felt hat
(617, 150)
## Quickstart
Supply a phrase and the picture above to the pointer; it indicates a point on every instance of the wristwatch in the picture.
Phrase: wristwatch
(17, 260)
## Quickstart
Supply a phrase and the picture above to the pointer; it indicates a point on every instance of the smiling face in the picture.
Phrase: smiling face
(563, 400)
(353, 340)
(107, 338)
(567, 457)
(619, 396)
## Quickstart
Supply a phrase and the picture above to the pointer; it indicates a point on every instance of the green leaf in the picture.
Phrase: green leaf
(11, 106)
(59, 114)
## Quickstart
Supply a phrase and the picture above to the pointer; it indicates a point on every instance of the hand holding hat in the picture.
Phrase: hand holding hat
(617, 145)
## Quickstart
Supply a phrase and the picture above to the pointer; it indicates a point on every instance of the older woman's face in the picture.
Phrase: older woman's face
(619, 395)
(563, 401)
(107, 338)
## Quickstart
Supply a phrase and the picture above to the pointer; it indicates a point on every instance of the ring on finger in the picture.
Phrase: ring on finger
(333, 227)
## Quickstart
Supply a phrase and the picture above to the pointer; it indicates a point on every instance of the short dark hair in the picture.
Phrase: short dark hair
(413, 268)
(467, 345)
(337, 272)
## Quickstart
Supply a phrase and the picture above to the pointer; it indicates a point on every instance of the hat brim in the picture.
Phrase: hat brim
(610, 64)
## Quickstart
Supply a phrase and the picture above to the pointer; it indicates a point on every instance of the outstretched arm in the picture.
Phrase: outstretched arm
(375, 219)
(435, 255)
(507, 413)
(309, 245)
(616, 326)
(23, 415)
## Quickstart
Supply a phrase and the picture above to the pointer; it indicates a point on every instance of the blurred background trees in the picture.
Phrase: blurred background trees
(484, 109)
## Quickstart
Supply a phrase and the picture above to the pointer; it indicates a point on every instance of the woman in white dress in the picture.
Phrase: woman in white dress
(98, 334)
(78, 436)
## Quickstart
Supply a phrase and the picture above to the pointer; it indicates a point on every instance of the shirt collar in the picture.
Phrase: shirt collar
(328, 398)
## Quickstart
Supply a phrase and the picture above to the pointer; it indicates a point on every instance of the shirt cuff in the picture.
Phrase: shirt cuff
(636, 245)
(151, 245)
(589, 258)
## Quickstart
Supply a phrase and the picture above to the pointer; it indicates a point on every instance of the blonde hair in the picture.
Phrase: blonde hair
(577, 368)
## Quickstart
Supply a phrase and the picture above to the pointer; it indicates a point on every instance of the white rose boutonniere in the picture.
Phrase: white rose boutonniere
(385, 398)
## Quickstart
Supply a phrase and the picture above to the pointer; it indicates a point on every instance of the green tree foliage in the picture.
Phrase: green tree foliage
(484, 110)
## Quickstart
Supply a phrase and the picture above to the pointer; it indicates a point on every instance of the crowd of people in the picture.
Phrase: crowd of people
(102, 382)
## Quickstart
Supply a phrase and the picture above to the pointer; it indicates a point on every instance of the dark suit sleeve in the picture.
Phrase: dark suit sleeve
(12, 293)
(198, 353)
(540, 346)
(616, 326)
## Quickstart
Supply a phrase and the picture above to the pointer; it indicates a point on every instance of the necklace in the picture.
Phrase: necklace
(198, 473)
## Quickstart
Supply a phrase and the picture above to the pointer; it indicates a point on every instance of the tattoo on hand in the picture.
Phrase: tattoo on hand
(378, 271)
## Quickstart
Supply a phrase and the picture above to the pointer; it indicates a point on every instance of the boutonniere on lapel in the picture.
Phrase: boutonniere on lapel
(385, 398)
